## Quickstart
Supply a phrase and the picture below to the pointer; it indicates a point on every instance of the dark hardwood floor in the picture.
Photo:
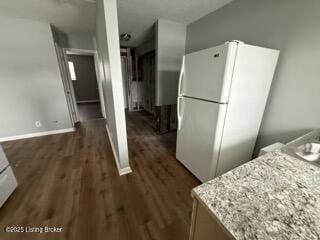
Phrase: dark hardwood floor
(89, 111)
(71, 181)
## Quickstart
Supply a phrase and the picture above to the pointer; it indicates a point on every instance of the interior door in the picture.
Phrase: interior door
(200, 126)
(207, 74)
(65, 75)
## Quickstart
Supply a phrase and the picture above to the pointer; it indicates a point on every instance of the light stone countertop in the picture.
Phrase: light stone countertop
(275, 196)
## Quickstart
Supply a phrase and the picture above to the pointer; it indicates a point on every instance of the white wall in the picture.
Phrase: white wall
(107, 41)
(100, 77)
(145, 47)
(80, 41)
(76, 41)
(31, 88)
(292, 26)
(170, 47)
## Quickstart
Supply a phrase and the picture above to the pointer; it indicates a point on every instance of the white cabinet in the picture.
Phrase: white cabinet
(8, 182)
(205, 226)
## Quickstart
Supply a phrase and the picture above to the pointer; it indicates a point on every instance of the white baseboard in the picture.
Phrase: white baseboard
(89, 101)
(122, 171)
(38, 134)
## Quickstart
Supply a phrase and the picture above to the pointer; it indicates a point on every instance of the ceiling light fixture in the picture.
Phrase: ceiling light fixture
(125, 37)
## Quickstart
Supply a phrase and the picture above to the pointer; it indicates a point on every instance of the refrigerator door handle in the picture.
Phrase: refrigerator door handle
(181, 77)
(178, 113)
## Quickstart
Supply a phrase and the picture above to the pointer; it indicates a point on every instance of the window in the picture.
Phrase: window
(72, 71)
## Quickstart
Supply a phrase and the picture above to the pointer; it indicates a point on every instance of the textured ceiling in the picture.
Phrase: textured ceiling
(70, 16)
(137, 16)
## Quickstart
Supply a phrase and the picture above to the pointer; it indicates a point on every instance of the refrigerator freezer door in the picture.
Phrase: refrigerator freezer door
(8, 183)
(3, 160)
(207, 74)
(199, 135)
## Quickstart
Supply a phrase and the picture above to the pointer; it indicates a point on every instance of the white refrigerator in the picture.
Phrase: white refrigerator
(221, 99)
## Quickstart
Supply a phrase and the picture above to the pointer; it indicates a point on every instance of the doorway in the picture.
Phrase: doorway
(146, 68)
(82, 83)
(85, 85)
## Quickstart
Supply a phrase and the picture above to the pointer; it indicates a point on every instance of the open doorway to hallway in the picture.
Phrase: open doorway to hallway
(81, 83)
(85, 85)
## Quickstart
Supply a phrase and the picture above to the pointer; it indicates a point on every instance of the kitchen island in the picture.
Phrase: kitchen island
(275, 196)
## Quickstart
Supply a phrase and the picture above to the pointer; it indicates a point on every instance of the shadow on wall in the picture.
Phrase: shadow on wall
(283, 137)
(167, 87)
(235, 155)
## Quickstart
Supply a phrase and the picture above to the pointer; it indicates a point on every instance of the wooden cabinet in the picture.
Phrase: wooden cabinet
(204, 225)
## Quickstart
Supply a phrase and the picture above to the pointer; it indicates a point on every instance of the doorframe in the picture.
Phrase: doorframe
(68, 88)
(84, 52)
(129, 74)
(151, 87)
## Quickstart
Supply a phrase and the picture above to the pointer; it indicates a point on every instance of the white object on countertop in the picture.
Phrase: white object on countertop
(270, 148)
(8, 182)
(222, 95)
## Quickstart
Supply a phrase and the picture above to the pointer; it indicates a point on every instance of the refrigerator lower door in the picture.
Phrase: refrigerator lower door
(8, 184)
(200, 128)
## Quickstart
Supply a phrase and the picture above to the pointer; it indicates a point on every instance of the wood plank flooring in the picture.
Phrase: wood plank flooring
(89, 111)
(71, 181)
